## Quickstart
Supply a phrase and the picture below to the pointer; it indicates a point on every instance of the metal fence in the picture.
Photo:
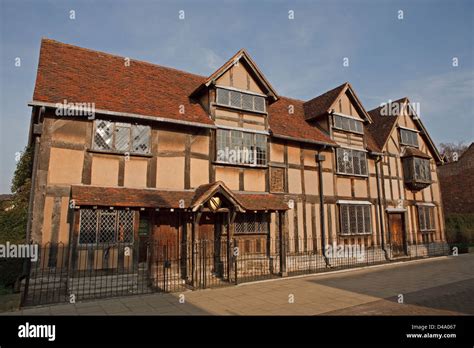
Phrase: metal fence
(71, 273)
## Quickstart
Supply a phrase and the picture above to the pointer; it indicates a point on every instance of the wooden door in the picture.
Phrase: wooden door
(397, 233)
(166, 236)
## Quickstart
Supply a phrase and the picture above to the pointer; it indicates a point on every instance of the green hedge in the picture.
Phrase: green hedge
(460, 228)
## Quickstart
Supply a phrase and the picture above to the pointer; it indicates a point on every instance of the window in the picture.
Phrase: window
(408, 137)
(237, 147)
(251, 223)
(105, 226)
(240, 100)
(348, 124)
(121, 137)
(426, 218)
(417, 170)
(351, 161)
(355, 219)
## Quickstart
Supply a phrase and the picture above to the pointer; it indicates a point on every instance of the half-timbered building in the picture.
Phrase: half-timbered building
(140, 164)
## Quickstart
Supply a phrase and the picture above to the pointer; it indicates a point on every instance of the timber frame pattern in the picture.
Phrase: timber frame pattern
(318, 173)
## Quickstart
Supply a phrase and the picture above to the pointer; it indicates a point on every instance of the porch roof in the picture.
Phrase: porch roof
(154, 198)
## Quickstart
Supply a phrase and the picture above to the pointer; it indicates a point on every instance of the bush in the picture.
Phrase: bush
(11, 271)
(460, 228)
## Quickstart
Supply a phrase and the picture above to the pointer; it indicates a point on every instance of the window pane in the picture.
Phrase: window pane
(367, 220)
(125, 226)
(360, 219)
(337, 121)
(345, 219)
(345, 123)
(141, 139)
(122, 137)
(261, 143)
(248, 149)
(103, 135)
(235, 99)
(359, 127)
(347, 158)
(421, 213)
(341, 168)
(247, 101)
(353, 218)
(107, 222)
(223, 145)
(356, 162)
(363, 163)
(222, 96)
(88, 226)
(259, 104)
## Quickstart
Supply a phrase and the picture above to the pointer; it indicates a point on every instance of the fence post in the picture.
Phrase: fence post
(282, 229)
(27, 269)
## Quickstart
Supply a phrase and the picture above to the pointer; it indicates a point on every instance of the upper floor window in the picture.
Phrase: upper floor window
(408, 137)
(426, 218)
(237, 147)
(348, 124)
(351, 161)
(355, 219)
(416, 171)
(240, 100)
(121, 137)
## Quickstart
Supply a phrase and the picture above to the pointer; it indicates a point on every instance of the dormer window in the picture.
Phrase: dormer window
(408, 137)
(349, 124)
(240, 100)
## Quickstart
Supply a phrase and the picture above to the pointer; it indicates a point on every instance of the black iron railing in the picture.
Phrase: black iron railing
(66, 273)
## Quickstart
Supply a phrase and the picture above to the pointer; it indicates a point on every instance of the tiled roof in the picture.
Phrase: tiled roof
(125, 197)
(412, 151)
(320, 105)
(283, 122)
(382, 125)
(80, 75)
(153, 198)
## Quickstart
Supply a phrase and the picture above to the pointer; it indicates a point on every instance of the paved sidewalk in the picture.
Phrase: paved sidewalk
(443, 285)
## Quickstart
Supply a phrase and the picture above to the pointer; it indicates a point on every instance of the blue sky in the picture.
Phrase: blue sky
(388, 58)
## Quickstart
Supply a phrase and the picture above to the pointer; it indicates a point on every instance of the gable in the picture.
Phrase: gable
(344, 104)
(240, 76)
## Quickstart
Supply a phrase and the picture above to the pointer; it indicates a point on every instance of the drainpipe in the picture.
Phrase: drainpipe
(33, 173)
(382, 232)
(320, 159)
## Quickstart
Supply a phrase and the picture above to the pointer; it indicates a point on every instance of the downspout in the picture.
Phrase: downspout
(382, 231)
(320, 159)
(33, 174)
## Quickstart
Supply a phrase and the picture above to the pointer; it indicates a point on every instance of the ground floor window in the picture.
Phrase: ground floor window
(355, 219)
(251, 223)
(105, 226)
(426, 218)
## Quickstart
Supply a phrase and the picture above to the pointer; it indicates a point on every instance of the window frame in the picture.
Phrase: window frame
(255, 153)
(410, 173)
(349, 118)
(409, 131)
(241, 94)
(131, 144)
(98, 220)
(345, 209)
(260, 219)
(422, 210)
(351, 151)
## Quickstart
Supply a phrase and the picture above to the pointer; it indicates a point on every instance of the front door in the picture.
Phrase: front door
(397, 233)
